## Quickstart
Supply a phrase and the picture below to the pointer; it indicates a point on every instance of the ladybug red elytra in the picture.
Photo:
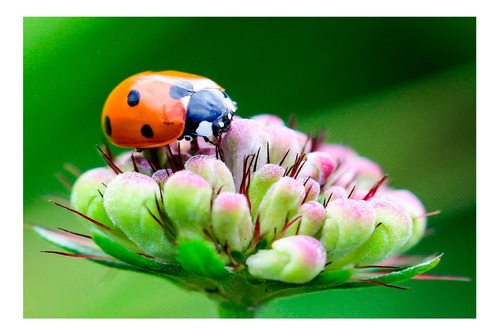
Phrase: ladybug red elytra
(153, 109)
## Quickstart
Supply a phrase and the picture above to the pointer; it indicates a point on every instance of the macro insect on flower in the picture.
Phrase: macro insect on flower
(257, 211)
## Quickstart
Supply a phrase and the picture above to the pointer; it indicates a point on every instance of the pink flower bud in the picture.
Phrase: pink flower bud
(208, 151)
(126, 164)
(349, 223)
(280, 204)
(245, 137)
(231, 221)
(393, 231)
(324, 164)
(338, 153)
(332, 193)
(296, 259)
(416, 210)
(213, 171)
(312, 217)
(312, 188)
(283, 142)
(187, 198)
(129, 200)
(268, 120)
(304, 140)
(87, 194)
(260, 183)
(358, 171)
(161, 176)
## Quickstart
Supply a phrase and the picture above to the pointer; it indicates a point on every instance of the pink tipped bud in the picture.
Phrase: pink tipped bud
(324, 164)
(338, 153)
(208, 151)
(349, 223)
(283, 146)
(187, 198)
(87, 194)
(260, 183)
(130, 199)
(391, 235)
(268, 120)
(416, 210)
(312, 188)
(296, 259)
(125, 162)
(305, 141)
(359, 171)
(161, 176)
(244, 138)
(279, 205)
(312, 217)
(231, 221)
(213, 171)
(332, 193)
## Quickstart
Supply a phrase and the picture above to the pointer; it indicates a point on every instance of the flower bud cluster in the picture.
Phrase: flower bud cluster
(268, 200)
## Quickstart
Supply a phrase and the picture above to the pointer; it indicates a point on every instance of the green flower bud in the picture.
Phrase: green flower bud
(312, 218)
(187, 197)
(212, 170)
(129, 199)
(260, 183)
(87, 194)
(417, 213)
(312, 188)
(231, 221)
(296, 259)
(392, 234)
(279, 205)
(349, 223)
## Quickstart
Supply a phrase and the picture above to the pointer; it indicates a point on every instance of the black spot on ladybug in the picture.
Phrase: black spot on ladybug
(181, 89)
(133, 98)
(107, 125)
(147, 131)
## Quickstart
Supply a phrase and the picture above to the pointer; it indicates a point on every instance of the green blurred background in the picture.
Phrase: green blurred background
(401, 91)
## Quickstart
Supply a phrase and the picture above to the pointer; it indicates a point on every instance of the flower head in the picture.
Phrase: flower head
(265, 210)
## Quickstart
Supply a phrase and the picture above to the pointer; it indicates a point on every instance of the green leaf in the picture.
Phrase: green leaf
(332, 278)
(396, 276)
(120, 252)
(78, 245)
(199, 257)
(69, 242)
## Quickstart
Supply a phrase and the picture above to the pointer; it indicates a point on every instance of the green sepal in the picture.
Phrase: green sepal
(238, 256)
(333, 278)
(198, 256)
(68, 242)
(397, 276)
(78, 245)
(153, 265)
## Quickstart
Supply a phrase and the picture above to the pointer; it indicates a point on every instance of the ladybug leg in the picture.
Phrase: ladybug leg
(209, 141)
(194, 146)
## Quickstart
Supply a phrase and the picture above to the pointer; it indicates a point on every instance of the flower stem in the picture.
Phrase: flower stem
(232, 310)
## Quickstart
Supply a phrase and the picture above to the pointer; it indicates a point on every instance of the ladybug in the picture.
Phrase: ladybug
(153, 109)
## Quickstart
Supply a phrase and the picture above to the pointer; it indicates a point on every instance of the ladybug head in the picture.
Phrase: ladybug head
(209, 112)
